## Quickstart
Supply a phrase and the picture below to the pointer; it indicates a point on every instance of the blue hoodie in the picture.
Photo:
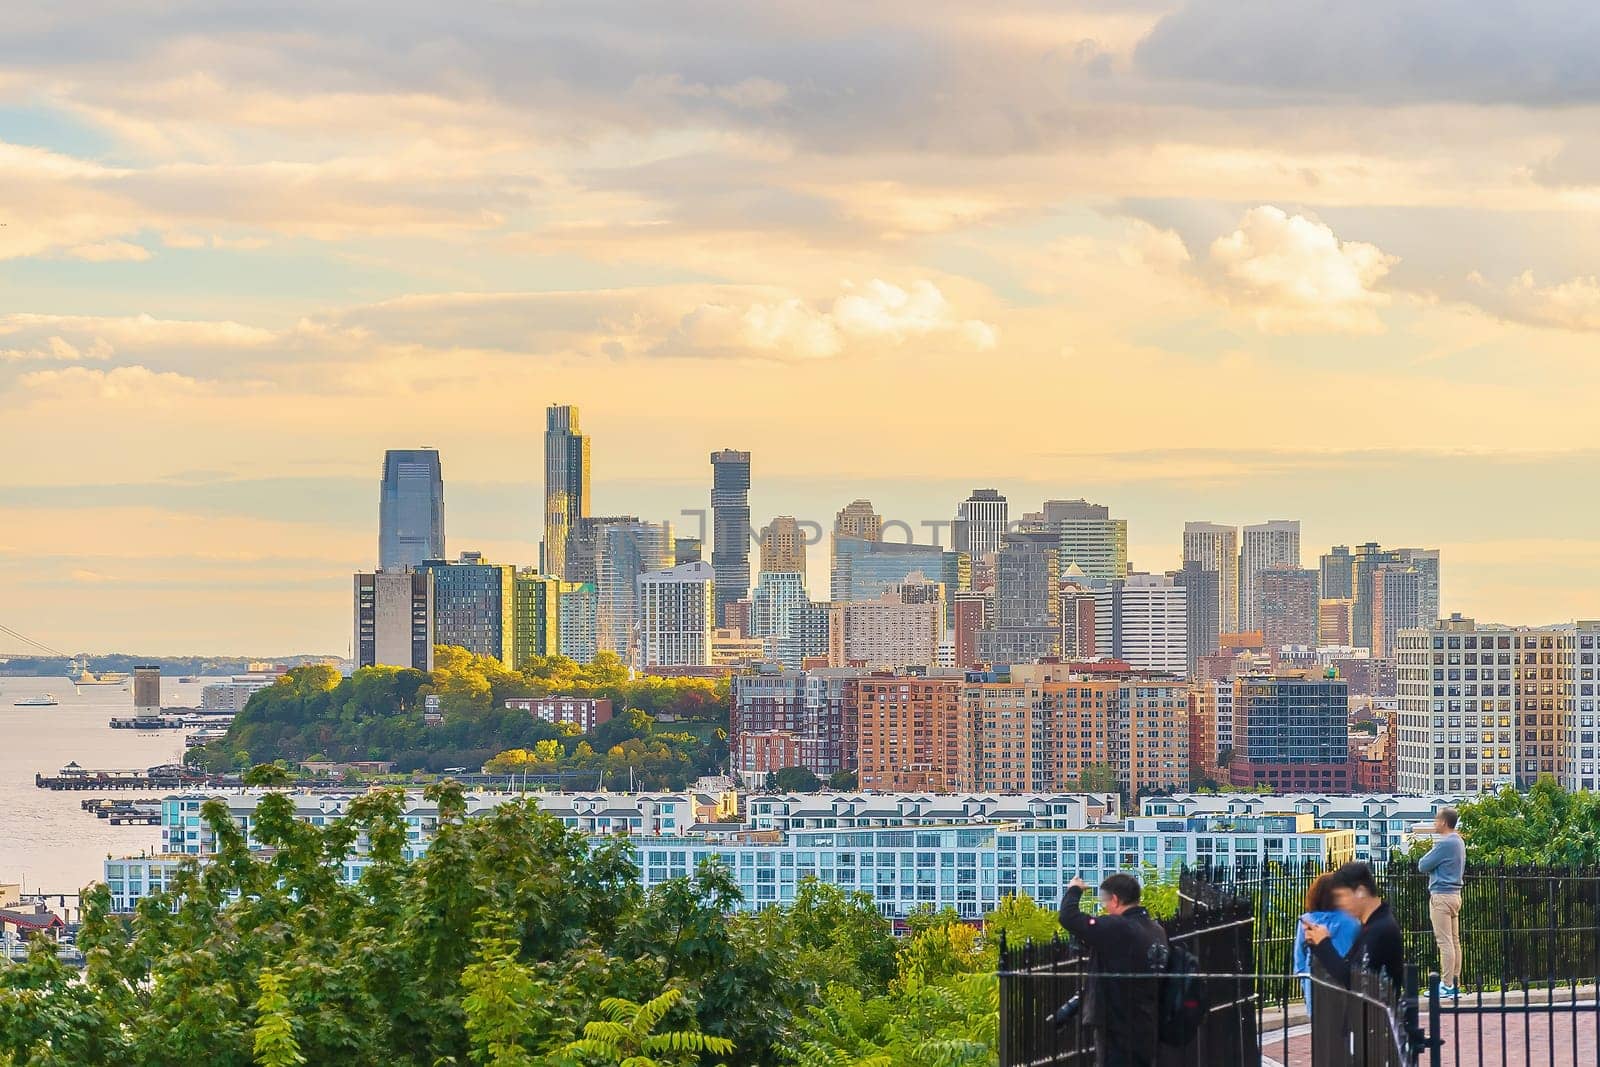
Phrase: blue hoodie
(1342, 931)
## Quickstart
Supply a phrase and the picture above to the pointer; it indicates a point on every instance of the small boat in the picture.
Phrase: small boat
(189, 679)
(78, 673)
(47, 701)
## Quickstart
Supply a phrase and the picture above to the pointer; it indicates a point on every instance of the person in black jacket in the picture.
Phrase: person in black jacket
(1122, 940)
(1377, 946)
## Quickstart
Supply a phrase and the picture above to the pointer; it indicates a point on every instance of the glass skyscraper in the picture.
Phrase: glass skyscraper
(730, 527)
(410, 508)
(566, 484)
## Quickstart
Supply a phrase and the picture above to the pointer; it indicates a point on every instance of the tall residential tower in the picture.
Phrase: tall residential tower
(730, 527)
(566, 484)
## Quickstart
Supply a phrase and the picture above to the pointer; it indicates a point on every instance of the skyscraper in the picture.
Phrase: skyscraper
(1027, 604)
(863, 569)
(579, 621)
(1201, 591)
(410, 508)
(1216, 548)
(538, 616)
(1369, 559)
(1265, 545)
(566, 484)
(790, 626)
(1287, 607)
(394, 619)
(1145, 621)
(730, 527)
(980, 523)
(1397, 595)
(624, 551)
(675, 607)
(857, 519)
(783, 547)
(1338, 574)
(1090, 539)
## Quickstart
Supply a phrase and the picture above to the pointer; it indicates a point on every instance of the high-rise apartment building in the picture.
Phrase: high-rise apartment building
(1144, 621)
(1216, 548)
(394, 619)
(410, 508)
(790, 718)
(1397, 598)
(1369, 559)
(1265, 546)
(1480, 708)
(538, 616)
(730, 526)
(783, 546)
(566, 487)
(578, 621)
(1026, 625)
(981, 520)
(783, 616)
(1090, 539)
(474, 605)
(970, 614)
(583, 545)
(884, 633)
(1291, 733)
(626, 550)
(675, 616)
(1286, 606)
(1202, 587)
(911, 732)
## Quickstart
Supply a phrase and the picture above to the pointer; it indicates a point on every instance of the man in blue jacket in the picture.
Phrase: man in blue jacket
(1446, 868)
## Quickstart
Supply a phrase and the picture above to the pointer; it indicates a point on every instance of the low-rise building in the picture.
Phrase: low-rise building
(583, 712)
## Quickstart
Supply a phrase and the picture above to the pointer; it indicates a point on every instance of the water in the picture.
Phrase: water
(47, 841)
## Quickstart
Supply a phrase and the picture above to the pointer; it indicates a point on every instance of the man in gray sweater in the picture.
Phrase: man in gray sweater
(1446, 867)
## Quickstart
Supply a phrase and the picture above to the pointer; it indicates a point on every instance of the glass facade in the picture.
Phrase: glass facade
(410, 509)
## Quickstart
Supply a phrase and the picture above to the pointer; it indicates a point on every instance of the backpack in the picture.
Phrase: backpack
(1183, 1001)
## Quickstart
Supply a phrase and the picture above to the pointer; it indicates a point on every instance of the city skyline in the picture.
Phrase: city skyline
(1177, 259)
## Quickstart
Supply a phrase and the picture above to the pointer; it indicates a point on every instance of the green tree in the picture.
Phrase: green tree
(795, 780)
(627, 1036)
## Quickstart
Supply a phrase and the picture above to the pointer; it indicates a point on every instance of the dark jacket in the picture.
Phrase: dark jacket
(1126, 1011)
(1377, 947)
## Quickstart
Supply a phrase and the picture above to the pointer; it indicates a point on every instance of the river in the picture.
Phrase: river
(47, 841)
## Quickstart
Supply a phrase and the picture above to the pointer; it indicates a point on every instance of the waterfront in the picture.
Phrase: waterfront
(47, 841)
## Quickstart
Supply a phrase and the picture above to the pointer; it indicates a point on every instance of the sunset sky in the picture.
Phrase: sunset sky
(1203, 259)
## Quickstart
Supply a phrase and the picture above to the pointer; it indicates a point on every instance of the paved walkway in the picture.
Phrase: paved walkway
(1564, 1035)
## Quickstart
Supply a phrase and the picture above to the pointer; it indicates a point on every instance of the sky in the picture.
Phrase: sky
(1231, 260)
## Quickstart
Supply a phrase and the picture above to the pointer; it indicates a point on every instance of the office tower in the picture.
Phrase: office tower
(980, 523)
(783, 617)
(410, 508)
(885, 633)
(1397, 598)
(583, 544)
(857, 519)
(579, 621)
(970, 614)
(863, 569)
(730, 527)
(787, 718)
(783, 546)
(1291, 733)
(1027, 607)
(1216, 548)
(1090, 539)
(147, 690)
(625, 550)
(1369, 559)
(1265, 546)
(1426, 563)
(1144, 621)
(566, 486)
(675, 616)
(910, 732)
(538, 616)
(474, 606)
(1077, 622)
(1286, 607)
(1338, 574)
(685, 550)
(1335, 622)
(394, 617)
(1202, 589)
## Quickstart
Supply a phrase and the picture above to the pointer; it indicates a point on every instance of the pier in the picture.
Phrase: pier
(167, 777)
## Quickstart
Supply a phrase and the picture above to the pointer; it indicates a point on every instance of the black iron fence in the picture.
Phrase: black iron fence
(1519, 925)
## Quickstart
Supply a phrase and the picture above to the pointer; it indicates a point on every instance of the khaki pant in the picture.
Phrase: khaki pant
(1445, 910)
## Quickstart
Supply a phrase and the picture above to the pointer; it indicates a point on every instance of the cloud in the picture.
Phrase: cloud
(57, 349)
(1570, 305)
(132, 384)
(1292, 273)
(109, 252)
(1384, 51)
